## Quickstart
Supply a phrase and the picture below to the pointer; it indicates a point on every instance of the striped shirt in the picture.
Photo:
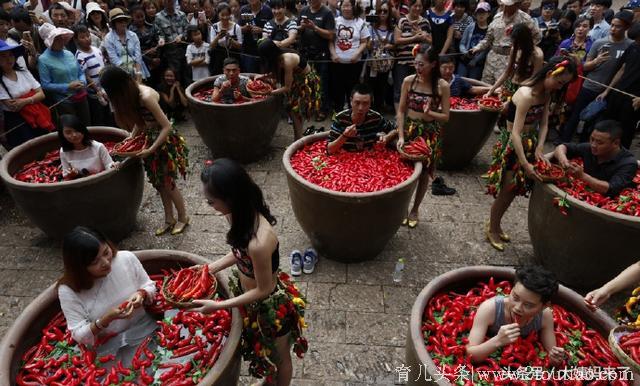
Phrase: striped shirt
(279, 32)
(91, 63)
(368, 130)
(406, 28)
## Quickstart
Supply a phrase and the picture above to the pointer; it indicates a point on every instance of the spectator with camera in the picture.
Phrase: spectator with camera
(253, 18)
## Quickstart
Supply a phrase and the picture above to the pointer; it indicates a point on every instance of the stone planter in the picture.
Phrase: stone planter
(465, 134)
(586, 248)
(461, 280)
(27, 328)
(242, 132)
(108, 201)
(347, 227)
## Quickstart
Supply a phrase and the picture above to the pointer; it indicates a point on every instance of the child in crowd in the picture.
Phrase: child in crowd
(172, 98)
(80, 155)
(91, 62)
(525, 310)
(197, 54)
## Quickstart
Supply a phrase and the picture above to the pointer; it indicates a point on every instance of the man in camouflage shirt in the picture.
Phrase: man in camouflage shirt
(498, 39)
(172, 24)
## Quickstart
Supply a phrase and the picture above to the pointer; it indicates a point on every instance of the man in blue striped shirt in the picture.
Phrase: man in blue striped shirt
(358, 127)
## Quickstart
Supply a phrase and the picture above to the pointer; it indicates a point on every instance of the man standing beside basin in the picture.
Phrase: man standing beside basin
(357, 127)
(231, 86)
(608, 167)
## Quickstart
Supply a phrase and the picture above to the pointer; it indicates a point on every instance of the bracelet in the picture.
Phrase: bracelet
(98, 326)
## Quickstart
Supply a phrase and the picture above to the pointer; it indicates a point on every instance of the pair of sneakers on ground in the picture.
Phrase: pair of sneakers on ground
(303, 263)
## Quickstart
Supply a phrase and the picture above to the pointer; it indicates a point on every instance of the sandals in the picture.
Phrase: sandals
(165, 228)
(180, 226)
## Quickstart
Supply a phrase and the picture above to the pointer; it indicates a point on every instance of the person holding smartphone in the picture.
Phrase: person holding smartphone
(226, 39)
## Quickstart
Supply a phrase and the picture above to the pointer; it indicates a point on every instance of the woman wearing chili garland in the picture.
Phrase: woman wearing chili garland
(512, 172)
(136, 108)
(424, 107)
(271, 305)
(298, 81)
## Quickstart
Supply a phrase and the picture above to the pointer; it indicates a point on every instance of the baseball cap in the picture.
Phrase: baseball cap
(484, 6)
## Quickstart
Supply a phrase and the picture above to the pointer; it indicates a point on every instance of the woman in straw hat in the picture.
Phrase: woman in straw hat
(123, 46)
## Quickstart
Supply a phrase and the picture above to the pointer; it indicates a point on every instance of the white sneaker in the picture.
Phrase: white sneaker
(296, 262)
(309, 260)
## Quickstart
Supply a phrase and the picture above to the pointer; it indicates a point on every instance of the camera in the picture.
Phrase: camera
(246, 16)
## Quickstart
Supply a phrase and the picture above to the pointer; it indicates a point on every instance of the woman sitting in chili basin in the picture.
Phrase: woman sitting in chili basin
(101, 294)
(525, 310)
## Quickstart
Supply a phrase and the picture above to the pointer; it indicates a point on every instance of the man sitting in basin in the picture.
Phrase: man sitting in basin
(459, 87)
(230, 87)
(525, 310)
(358, 127)
(608, 167)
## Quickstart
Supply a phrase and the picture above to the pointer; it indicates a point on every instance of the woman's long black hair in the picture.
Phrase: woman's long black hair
(227, 181)
(68, 120)
(522, 39)
(270, 55)
(80, 247)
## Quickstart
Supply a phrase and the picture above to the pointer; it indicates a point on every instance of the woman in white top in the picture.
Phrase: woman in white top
(346, 50)
(80, 155)
(97, 279)
(18, 89)
(226, 39)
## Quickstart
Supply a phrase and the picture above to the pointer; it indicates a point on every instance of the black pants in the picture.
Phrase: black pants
(343, 77)
(173, 56)
(79, 109)
(620, 108)
(380, 86)
(217, 56)
(18, 130)
(585, 96)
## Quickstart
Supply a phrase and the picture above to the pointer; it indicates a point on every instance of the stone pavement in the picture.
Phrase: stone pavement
(357, 316)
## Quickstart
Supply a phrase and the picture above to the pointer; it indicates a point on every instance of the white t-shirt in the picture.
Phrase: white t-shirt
(348, 35)
(24, 83)
(94, 158)
(193, 53)
(235, 32)
(83, 308)
(91, 63)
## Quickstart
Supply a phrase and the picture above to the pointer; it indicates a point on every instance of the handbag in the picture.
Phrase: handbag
(382, 58)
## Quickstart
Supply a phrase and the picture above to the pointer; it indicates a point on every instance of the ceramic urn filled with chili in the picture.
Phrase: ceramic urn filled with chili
(235, 118)
(168, 345)
(468, 129)
(349, 203)
(572, 227)
(58, 191)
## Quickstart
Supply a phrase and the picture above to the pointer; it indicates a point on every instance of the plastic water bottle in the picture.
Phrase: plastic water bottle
(397, 273)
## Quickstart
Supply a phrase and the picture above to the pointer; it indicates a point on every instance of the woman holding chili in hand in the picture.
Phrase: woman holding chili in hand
(270, 303)
(424, 107)
(97, 280)
(512, 172)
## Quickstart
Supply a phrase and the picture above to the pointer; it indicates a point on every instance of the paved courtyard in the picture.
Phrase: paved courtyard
(357, 316)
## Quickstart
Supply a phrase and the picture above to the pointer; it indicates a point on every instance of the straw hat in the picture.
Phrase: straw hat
(117, 14)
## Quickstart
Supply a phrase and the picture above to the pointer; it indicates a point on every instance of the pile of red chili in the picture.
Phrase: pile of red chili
(48, 169)
(459, 103)
(369, 170)
(190, 283)
(630, 343)
(206, 95)
(129, 145)
(58, 360)
(627, 202)
(551, 171)
(448, 318)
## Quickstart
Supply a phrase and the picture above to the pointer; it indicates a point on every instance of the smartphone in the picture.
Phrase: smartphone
(372, 18)
(26, 35)
(246, 16)
(202, 16)
(564, 52)
(304, 17)
(604, 48)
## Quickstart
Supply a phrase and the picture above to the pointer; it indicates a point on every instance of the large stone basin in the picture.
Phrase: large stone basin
(461, 280)
(465, 134)
(242, 132)
(347, 227)
(586, 248)
(108, 201)
(26, 329)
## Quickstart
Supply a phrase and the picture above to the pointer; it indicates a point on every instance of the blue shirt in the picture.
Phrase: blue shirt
(57, 69)
(600, 30)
